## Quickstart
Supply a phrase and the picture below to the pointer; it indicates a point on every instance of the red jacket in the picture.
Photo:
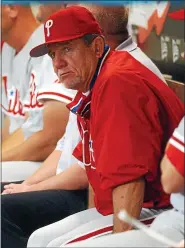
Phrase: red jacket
(132, 116)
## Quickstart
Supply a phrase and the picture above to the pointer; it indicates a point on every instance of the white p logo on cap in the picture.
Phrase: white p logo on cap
(48, 25)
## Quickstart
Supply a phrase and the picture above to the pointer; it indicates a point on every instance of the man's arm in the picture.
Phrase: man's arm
(124, 151)
(38, 146)
(129, 197)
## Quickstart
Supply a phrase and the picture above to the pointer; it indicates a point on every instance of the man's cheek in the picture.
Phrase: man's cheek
(55, 69)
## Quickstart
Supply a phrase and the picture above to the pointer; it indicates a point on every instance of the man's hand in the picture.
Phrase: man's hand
(16, 188)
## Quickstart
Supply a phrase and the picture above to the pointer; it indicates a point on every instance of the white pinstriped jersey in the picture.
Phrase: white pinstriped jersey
(22, 77)
(67, 145)
(177, 140)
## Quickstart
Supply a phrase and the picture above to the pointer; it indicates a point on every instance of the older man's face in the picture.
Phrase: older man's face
(74, 62)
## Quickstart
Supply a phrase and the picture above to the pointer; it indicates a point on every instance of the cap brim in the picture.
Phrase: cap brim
(39, 50)
(177, 15)
(42, 49)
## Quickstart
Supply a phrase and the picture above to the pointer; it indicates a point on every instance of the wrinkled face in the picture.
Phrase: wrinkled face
(6, 21)
(45, 10)
(74, 63)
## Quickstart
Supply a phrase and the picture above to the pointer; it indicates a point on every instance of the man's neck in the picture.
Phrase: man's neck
(115, 40)
(21, 33)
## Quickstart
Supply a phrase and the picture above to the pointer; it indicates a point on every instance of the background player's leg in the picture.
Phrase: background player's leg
(23, 213)
(172, 219)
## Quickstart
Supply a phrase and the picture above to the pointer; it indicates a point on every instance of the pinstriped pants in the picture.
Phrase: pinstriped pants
(169, 223)
(84, 225)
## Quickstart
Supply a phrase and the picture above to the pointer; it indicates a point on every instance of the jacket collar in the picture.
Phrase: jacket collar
(128, 45)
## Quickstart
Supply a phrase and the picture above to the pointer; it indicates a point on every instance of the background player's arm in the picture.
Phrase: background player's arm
(73, 178)
(46, 170)
(172, 165)
(38, 146)
(171, 179)
(14, 139)
(129, 197)
(91, 197)
(181, 244)
(5, 129)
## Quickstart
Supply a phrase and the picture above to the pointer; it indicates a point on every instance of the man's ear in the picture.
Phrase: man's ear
(98, 46)
(13, 10)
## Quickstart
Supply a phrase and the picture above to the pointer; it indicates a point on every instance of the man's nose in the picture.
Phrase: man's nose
(59, 62)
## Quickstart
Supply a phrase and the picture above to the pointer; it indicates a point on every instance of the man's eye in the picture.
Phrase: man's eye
(52, 55)
(67, 49)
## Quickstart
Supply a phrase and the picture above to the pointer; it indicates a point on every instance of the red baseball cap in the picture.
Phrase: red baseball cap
(67, 24)
(177, 15)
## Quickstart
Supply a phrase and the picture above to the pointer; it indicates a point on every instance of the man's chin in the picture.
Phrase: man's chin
(69, 86)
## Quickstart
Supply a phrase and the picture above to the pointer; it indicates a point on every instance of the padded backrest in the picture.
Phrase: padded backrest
(177, 87)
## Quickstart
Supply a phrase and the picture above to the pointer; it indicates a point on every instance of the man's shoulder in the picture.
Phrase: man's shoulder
(140, 56)
(119, 66)
(122, 65)
(131, 47)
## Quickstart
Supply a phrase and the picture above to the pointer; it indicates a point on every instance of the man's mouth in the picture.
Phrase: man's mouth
(65, 73)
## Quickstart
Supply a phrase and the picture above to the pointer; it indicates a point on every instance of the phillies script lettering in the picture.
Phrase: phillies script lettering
(87, 144)
(33, 103)
(15, 106)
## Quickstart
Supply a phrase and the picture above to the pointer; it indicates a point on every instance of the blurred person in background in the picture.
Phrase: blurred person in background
(95, 220)
(54, 191)
(45, 10)
(27, 134)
